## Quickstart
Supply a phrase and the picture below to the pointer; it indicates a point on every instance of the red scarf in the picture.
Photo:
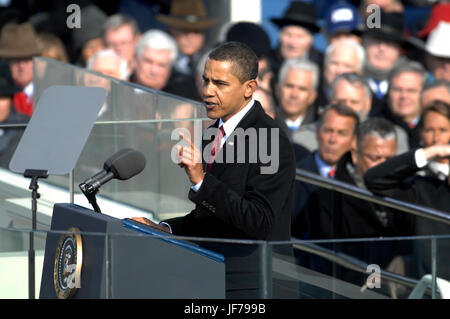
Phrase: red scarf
(23, 103)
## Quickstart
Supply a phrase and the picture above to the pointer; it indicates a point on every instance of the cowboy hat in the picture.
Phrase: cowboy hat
(187, 15)
(299, 13)
(18, 41)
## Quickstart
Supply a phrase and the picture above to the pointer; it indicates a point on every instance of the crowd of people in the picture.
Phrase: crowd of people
(374, 92)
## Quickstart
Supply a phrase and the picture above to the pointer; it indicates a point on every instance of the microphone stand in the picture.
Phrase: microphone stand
(90, 196)
(34, 174)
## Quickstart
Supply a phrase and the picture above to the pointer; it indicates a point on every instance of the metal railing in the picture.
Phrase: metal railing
(357, 192)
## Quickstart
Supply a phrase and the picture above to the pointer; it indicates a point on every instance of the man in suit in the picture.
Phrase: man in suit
(236, 199)
(296, 92)
(397, 178)
(236, 196)
(335, 134)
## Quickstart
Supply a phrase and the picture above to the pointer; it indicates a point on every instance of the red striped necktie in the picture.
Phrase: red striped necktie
(216, 146)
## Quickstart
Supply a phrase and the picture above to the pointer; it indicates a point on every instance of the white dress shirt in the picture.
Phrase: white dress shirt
(229, 127)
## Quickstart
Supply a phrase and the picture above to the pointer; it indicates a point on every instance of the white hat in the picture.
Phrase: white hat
(437, 42)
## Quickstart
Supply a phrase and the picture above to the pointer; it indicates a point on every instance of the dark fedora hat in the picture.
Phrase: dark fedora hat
(299, 13)
(252, 35)
(18, 41)
(392, 28)
(187, 15)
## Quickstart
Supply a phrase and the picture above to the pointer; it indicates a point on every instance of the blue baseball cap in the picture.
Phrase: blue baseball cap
(342, 17)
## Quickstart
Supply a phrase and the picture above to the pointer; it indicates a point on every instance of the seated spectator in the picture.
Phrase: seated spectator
(9, 136)
(438, 90)
(384, 51)
(296, 91)
(335, 133)
(333, 215)
(52, 47)
(18, 45)
(352, 90)
(121, 34)
(438, 52)
(108, 62)
(297, 26)
(188, 23)
(342, 56)
(397, 178)
(156, 52)
(435, 130)
(343, 21)
(406, 83)
(87, 40)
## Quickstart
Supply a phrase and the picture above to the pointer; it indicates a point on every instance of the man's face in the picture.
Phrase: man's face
(122, 40)
(189, 42)
(352, 95)
(153, 68)
(343, 60)
(436, 129)
(295, 41)
(374, 150)
(438, 93)
(107, 65)
(440, 67)
(404, 95)
(335, 136)
(224, 95)
(381, 54)
(296, 93)
(21, 71)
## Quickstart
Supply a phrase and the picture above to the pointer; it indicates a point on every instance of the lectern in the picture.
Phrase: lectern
(92, 255)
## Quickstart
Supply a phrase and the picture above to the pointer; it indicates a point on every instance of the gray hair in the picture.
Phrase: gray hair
(123, 66)
(118, 20)
(375, 126)
(299, 64)
(409, 66)
(158, 40)
(356, 46)
(353, 79)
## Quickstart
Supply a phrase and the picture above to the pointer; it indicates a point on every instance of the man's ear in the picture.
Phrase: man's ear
(250, 88)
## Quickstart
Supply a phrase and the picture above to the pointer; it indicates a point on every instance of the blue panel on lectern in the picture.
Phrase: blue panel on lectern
(162, 236)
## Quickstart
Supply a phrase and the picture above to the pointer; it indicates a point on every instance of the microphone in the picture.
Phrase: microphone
(123, 165)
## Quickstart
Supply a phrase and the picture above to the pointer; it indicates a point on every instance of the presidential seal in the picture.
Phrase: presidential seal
(68, 263)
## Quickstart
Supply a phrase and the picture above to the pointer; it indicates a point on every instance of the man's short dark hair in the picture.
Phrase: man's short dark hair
(244, 60)
(342, 110)
(376, 126)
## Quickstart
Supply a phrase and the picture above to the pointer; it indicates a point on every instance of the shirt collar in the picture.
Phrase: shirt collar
(233, 121)
(295, 124)
(323, 167)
